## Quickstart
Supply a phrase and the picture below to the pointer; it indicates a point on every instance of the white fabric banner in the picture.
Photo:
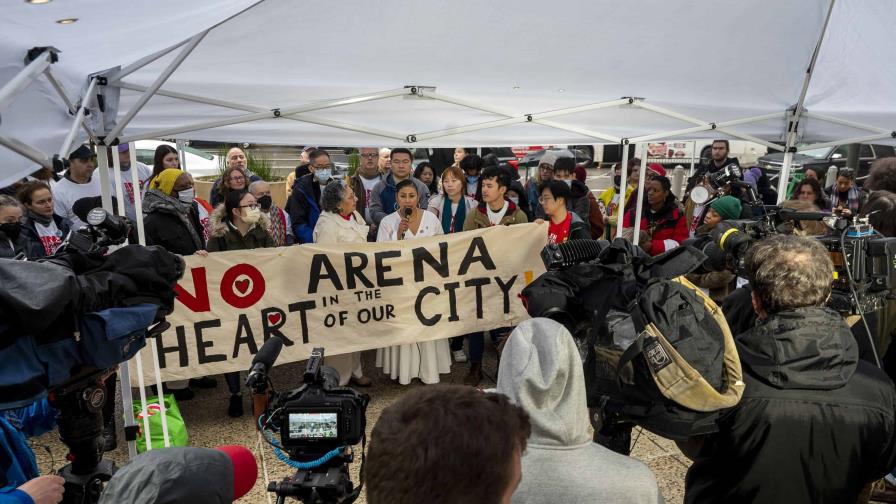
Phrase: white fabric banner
(345, 298)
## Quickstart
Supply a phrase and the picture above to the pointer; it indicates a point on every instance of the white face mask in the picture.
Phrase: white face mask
(323, 175)
(187, 195)
(515, 200)
(568, 182)
(252, 215)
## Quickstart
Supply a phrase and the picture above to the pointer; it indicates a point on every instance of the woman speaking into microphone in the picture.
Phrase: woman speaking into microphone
(428, 359)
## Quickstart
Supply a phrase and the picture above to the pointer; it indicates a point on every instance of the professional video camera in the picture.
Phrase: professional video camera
(69, 320)
(317, 424)
(864, 261)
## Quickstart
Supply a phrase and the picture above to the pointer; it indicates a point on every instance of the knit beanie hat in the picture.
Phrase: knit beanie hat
(165, 181)
(727, 206)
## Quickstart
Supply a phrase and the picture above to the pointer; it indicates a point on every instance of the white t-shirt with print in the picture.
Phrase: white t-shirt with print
(66, 193)
(143, 174)
(50, 236)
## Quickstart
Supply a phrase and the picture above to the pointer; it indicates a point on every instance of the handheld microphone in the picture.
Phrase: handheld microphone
(407, 215)
(264, 361)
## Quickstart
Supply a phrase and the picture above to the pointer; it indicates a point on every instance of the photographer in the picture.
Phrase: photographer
(717, 283)
(845, 197)
(815, 424)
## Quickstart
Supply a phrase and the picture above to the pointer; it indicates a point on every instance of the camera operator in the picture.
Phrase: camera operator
(815, 423)
(21, 481)
(445, 444)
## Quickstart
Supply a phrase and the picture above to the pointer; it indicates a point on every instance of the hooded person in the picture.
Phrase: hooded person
(171, 216)
(184, 474)
(541, 372)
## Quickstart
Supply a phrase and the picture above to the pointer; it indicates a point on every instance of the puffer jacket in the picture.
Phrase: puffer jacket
(815, 423)
(670, 227)
(223, 235)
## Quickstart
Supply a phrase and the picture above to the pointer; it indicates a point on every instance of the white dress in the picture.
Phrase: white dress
(425, 360)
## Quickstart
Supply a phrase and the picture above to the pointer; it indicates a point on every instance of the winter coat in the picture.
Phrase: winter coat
(815, 423)
(670, 226)
(303, 207)
(223, 235)
(29, 229)
(718, 283)
(21, 245)
(437, 201)
(479, 218)
(176, 474)
(167, 226)
(383, 197)
(541, 371)
(332, 228)
(585, 205)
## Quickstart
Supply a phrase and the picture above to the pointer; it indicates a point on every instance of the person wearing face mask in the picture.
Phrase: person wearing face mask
(472, 165)
(581, 200)
(281, 225)
(303, 204)
(238, 224)
(170, 214)
(12, 241)
(517, 195)
(43, 227)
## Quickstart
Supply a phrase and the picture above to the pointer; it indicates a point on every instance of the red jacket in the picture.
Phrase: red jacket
(670, 226)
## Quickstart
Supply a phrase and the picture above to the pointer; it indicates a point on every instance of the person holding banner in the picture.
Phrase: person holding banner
(428, 359)
(238, 224)
(563, 224)
(452, 208)
(340, 222)
(495, 210)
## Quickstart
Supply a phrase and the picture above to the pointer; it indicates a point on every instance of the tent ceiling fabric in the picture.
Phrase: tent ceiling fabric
(711, 61)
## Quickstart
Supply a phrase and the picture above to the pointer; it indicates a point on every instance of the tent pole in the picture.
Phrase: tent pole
(582, 131)
(142, 62)
(48, 73)
(79, 118)
(793, 123)
(862, 139)
(138, 194)
(275, 113)
(843, 122)
(623, 185)
(642, 180)
(102, 158)
(181, 153)
(26, 151)
(25, 76)
(119, 190)
(705, 127)
(144, 98)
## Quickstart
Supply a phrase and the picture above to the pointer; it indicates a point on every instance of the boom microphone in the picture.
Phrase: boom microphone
(264, 360)
(789, 214)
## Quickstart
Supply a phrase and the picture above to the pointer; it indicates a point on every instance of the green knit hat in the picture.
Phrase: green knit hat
(727, 206)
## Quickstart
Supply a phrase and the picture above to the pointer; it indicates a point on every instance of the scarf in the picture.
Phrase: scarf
(40, 219)
(155, 200)
(453, 223)
(852, 199)
(277, 229)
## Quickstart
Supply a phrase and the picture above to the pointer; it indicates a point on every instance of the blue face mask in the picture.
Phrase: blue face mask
(322, 175)
(472, 179)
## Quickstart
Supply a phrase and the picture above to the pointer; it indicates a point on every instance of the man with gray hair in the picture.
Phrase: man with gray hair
(366, 179)
(816, 423)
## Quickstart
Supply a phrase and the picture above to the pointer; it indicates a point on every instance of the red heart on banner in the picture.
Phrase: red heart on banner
(242, 285)
(274, 318)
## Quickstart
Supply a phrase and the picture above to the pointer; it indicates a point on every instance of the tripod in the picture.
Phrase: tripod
(80, 404)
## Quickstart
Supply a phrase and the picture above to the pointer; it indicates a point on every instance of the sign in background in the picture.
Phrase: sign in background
(345, 298)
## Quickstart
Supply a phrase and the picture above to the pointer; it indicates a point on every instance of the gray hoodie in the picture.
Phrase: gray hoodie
(541, 371)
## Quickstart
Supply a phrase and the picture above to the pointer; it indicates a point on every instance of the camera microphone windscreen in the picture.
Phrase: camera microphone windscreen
(268, 353)
(571, 252)
(83, 206)
(245, 469)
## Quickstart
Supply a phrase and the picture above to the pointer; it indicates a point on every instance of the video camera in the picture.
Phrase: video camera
(317, 424)
(864, 261)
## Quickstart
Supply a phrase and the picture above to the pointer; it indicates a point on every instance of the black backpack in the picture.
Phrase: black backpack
(656, 350)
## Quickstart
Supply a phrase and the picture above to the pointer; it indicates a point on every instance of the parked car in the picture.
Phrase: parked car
(825, 157)
(198, 163)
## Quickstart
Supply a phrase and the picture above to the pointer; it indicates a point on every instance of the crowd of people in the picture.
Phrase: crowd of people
(816, 423)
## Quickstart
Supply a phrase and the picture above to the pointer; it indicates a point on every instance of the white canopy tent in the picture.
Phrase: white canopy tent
(442, 73)
(449, 73)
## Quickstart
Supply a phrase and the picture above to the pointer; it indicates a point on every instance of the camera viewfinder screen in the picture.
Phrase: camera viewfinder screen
(312, 425)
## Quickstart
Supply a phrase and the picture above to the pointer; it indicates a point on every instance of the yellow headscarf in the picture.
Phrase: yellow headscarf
(165, 181)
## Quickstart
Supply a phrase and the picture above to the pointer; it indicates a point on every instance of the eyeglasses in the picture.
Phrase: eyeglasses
(545, 199)
(370, 155)
(251, 207)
